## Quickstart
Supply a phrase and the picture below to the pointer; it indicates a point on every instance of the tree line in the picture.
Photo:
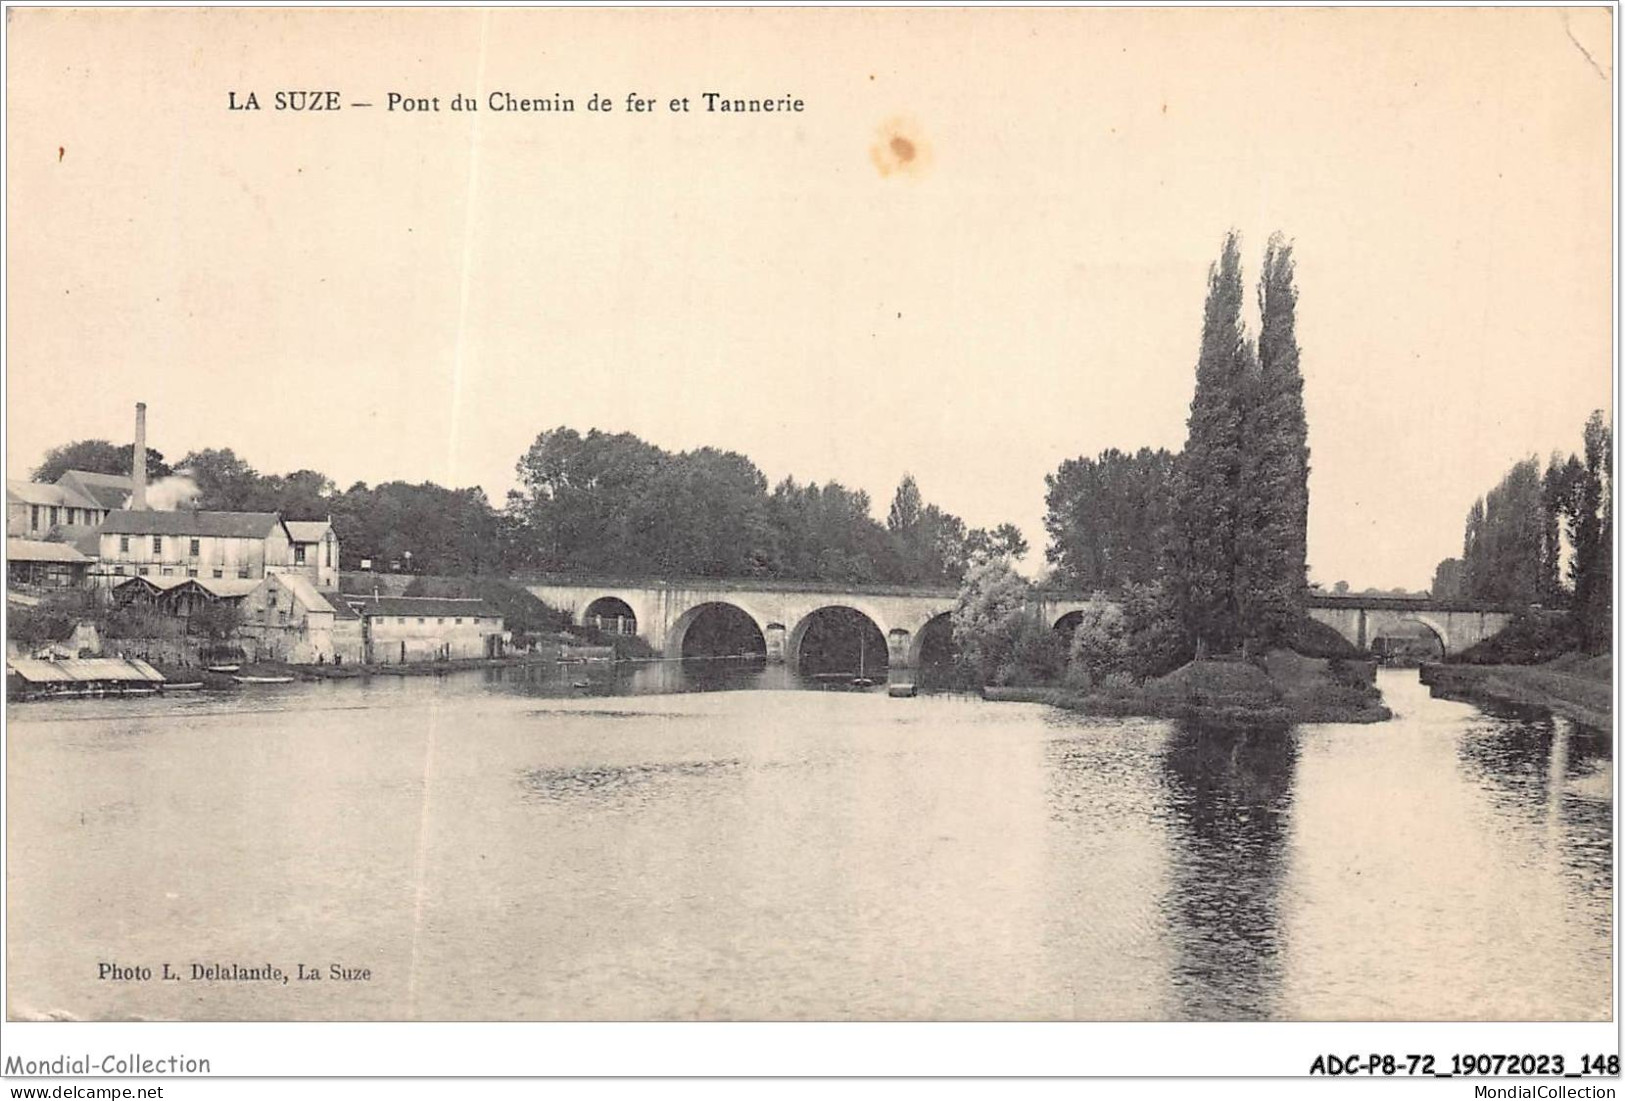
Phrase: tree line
(1545, 537)
(599, 502)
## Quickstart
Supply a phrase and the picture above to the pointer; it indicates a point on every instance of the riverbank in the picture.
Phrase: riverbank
(1288, 689)
(1573, 686)
(210, 679)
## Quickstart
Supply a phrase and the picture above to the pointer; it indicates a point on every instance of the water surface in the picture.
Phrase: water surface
(506, 846)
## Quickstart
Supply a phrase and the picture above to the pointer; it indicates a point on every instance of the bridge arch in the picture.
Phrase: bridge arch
(1067, 624)
(840, 633)
(719, 620)
(1440, 631)
(935, 636)
(612, 614)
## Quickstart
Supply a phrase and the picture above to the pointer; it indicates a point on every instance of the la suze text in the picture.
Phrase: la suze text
(507, 102)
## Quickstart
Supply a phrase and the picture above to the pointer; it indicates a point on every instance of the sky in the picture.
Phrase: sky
(387, 295)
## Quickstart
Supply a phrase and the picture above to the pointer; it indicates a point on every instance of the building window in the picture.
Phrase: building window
(157, 544)
(420, 619)
(191, 572)
(194, 548)
(119, 570)
(459, 621)
(141, 571)
(298, 554)
(441, 621)
(400, 619)
(124, 544)
(327, 544)
(53, 512)
(220, 573)
(33, 517)
(167, 572)
(242, 571)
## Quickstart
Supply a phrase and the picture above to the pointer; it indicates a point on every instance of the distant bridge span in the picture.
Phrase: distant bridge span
(1457, 624)
(663, 611)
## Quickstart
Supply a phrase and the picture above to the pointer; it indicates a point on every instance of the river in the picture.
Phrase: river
(510, 846)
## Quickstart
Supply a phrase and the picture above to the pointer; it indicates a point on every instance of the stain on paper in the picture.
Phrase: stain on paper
(899, 149)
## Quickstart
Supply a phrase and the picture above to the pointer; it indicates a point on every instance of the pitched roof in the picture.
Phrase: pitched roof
(419, 606)
(40, 493)
(302, 589)
(221, 588)
(33, 550)
(85, 669)
(153, 581)
(242, 525)
(85, 538)
(108, 491)
(341, 610)
(308, 531)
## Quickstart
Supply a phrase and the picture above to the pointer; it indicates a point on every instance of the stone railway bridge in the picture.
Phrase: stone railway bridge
(662, 612)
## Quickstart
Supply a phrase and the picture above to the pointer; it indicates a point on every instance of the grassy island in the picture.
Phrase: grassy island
(1283, 689)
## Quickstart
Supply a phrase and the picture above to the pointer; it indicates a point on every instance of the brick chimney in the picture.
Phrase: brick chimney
(138, 462)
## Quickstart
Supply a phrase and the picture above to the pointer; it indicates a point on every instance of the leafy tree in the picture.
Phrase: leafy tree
(1273, 523)
(826, 533)
(1591, 525)
(701, 514)
(225, 482)
(1100, 643)
(576, 496)
(1557, 488)
(1157, 641)
(932, 547)
(1004, 541)
(906, 506)
(988, 617)
(1446, 580)
(1513, 543)
(1108, 517)
(1038, 655)
(1210, 474)
(51, 620)
(217, 621)
(445, 531)
(97, 457)
(1505, 544)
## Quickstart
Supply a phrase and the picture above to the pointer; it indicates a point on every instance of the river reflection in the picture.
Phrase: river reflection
(1228, 813)
(724, 840)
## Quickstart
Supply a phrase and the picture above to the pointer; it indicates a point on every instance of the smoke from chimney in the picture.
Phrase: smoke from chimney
(172, 493)
(138, 462)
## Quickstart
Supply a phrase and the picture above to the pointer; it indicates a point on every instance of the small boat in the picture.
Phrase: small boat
(244, 679)
(224, 668)
(863, 679)
(581, 684)
(189, 686)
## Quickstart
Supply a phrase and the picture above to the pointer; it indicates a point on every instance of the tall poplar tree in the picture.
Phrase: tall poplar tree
(1593, 536)
(1211, 471)
(1272, 541)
